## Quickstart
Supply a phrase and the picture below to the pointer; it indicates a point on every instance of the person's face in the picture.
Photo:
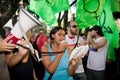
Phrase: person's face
(118, 24)
(59, 36)
(41, 32)
(73, 28)
(93, 33)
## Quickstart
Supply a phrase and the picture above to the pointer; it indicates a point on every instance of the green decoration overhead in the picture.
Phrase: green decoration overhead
(88, 11)
(110, 29)
(46, 9)
(115, 5)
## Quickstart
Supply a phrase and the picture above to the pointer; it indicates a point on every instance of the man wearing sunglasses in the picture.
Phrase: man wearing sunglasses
(96, 63)
(73, 40)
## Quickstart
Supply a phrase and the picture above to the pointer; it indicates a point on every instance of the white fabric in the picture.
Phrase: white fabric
(97, 59)
(78, 51)
(71, 43)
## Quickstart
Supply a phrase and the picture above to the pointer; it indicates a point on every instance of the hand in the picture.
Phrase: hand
(21, 50)
(4, 46)
(63, 45)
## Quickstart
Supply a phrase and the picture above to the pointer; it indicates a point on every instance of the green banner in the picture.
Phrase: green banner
(59, 5)
(115, 5)
(46, 9)
(43, 9)
(110, 29)
(88, 11)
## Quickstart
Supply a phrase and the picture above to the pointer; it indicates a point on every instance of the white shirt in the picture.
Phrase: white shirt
(71, 44)
(97, 58)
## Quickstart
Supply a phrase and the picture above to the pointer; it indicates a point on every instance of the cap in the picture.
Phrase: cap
(96, 27)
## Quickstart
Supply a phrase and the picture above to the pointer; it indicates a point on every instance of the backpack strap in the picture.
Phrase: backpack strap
(77, 40)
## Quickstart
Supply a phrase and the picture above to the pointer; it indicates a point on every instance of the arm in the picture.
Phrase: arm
(34, 75)
(52, 65)
(98, 45)
(13, 59)
(48, 64)
(94, 44)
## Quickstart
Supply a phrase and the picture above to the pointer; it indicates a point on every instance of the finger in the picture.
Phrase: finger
(8, 50)
(11, 46)
(8, 38)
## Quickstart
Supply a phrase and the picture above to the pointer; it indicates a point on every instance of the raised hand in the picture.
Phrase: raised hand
(4, 46)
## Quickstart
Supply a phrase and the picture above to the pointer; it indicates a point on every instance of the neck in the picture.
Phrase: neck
(71, 35)
(55, 45)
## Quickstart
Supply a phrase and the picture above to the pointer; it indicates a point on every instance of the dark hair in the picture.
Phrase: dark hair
(2, 32)
(54, 30)
(98, 29)
(116, 15)
(14, 20)
(68, 23)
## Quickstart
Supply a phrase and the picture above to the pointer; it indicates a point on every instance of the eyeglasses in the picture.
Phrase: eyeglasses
(74, 26)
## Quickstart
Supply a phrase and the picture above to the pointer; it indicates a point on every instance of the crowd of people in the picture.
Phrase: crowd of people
(17, 61)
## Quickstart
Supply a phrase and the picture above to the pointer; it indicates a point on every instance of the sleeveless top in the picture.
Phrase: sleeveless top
(97, 57)
(22, 71)
(61, 72)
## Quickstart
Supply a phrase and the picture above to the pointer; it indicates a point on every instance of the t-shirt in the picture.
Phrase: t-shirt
(41, 40)
(71, 44)
(97, 57)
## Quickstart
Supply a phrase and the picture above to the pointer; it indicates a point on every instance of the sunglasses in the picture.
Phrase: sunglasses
(74, 26)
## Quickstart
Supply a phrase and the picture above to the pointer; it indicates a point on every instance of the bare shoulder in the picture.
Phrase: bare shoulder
(44, 48)
(104, 39)
(103, 42)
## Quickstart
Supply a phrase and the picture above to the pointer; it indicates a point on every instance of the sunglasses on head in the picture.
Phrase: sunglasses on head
(74, 26)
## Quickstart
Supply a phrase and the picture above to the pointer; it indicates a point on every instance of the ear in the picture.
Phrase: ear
(68, 28)
(53, 36)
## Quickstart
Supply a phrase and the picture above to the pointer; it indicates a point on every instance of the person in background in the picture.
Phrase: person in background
(42, 39)
(35, 33)
(20, 63)
(4, 46)
(38, 41)
(114, 69)
(57, 62)
(97, 54)
(73, 40)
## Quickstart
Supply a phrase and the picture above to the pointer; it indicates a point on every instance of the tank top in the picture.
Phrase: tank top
(61, 72)
(97, 57)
